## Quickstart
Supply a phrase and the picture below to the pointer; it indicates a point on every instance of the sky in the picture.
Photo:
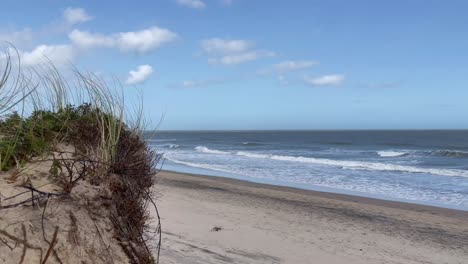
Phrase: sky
(260, 65)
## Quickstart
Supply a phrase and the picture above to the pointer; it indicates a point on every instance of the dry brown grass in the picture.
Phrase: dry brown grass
(133, 177)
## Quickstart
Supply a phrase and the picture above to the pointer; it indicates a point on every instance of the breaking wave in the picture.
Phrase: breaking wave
(345, 164)
(210, 151)
(388, 154)
(360, 165)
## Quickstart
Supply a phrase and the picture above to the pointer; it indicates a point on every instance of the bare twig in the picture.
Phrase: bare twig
(23, 255)
(51, 246)
(22, 202)
(29, 187)
(42, 218)
(8, 245)
(158, 226)
(43, 232)
(41, 194)
(18, 240)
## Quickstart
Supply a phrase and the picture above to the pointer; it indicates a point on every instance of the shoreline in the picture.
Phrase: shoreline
(263, 223)
(323, 192)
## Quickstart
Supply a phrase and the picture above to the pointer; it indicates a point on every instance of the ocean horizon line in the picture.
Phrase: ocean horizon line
(306, 130)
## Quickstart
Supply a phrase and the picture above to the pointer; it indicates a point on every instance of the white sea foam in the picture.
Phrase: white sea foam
(345, 164)
(251, 155)
(390, 153)
(170, 146)
(202, 165)
(210, 151)
(359, 165)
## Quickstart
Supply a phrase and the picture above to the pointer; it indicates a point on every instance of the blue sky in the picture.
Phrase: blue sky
(257, 64)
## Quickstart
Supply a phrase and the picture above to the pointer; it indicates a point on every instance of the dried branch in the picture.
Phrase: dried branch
(51, 246)
(43, 232)
(18, 240)
(38, 197)
(8, 245)
(23, 241)
(23, 255)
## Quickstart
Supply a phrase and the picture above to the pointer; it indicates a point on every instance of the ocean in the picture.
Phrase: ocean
(424, 167)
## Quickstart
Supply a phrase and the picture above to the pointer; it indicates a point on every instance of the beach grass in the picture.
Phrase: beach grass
(41, 111)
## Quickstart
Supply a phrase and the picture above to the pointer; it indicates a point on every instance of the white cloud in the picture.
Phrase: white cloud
(218, 45)
(145, 40)
(141, 74)
(76, 15)
(140, 41)
(232, 51)
(189, 83)
(286, 66)
(21, 37)
(193, 83)
(238, 58)
(27, 38)
(84, 39)
(57, 54)
(196, 4)
(326, 80)
(199, 83)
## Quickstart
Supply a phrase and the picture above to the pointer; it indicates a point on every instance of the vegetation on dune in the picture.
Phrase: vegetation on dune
(23, 138)
(39, 111)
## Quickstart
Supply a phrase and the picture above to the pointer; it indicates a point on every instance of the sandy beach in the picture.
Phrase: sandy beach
(218, 220)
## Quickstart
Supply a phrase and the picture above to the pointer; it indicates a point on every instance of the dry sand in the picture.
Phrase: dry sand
(268, 224)
(85, 233)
